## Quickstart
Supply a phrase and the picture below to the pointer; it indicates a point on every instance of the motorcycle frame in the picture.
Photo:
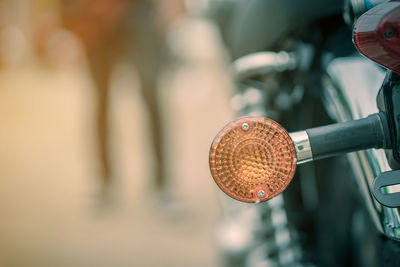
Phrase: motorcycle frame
(350, 89)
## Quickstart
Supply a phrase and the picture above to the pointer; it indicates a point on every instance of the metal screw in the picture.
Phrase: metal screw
(245, 126)
(389, 34)
(261, 193)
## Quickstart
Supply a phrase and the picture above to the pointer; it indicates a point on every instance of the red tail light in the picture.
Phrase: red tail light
(253, 159)
(377, 35)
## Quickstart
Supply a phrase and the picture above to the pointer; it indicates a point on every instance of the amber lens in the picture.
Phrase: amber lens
(253, 159)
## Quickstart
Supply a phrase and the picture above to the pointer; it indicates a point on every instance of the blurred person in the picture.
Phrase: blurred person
(115, 29)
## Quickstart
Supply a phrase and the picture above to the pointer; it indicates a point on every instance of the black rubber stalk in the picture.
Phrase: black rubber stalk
(330, 140)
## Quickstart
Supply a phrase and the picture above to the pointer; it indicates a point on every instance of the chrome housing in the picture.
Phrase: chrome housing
(350, 89)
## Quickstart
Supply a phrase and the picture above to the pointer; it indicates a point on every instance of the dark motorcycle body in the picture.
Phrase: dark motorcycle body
(332, 217)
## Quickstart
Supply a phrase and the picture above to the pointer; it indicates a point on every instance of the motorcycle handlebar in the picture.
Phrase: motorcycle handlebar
(330, 140)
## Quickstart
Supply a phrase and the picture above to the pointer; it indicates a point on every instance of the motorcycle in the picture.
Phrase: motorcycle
(302, 211)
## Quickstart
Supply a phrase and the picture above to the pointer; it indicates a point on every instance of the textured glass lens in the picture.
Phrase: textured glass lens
(253, 159)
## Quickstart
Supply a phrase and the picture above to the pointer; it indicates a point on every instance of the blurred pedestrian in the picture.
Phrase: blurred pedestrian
(134, 29)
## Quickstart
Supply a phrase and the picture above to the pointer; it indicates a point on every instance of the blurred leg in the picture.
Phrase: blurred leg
(150, 96)
(148, 54)
(101, 63)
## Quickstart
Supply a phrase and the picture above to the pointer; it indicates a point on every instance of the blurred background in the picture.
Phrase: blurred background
(107, 112)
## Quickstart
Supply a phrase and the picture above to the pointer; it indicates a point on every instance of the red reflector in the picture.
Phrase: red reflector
(377, 35)
(253, 159)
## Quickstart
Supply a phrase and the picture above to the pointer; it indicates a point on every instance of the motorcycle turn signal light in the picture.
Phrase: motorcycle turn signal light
(254, 159)
(376, 35)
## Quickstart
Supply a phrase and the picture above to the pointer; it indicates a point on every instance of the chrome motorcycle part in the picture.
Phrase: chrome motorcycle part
(350, 90)
(262, 63)
(358, 7)
(303, 146)
(278, 246)
(387, 189)
(245, 228)
(245, 126)
(353, 9)
(250, 100)
(245, 163)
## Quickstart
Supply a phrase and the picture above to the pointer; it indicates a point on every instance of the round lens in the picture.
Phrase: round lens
(253, 159)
